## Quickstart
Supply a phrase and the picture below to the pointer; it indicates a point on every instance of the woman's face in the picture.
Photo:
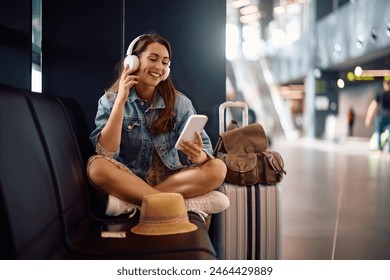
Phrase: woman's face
(154, 63)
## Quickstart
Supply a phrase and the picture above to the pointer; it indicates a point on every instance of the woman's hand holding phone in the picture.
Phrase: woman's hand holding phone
(194, 150)
(190, 142)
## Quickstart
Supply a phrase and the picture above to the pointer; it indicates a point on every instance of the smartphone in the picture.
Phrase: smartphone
(194, 123)
(114, 230)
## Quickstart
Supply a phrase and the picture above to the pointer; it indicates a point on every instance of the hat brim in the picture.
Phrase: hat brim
(164, 229)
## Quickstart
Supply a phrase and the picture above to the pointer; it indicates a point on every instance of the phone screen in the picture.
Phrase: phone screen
(194, 123)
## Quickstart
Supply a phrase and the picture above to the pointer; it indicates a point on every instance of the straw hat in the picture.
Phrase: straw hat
(163, 214)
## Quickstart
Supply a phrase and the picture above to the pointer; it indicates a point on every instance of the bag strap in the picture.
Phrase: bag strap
(234, 123)
(218, 147)
(275, 161)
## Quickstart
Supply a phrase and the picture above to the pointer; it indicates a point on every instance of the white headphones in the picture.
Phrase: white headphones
(133, 60)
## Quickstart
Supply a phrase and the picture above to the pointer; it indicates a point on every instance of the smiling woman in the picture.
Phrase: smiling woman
(138, 122)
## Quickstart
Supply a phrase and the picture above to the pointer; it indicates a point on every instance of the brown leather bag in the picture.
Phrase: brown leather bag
(244, 151)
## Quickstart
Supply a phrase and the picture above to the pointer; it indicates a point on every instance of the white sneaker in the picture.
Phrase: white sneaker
(211, 203)
(116, 207)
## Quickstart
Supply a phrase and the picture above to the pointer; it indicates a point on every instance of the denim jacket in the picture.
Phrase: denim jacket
(137, 143)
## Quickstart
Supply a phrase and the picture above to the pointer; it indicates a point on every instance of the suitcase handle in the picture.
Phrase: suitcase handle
(230, 104)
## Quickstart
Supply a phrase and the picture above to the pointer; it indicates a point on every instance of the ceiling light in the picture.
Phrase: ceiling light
(250, 17)
(249, 10)
(358, 71)
(336, 50)
(340, 83)
(240, 3)
(359, 41)
(317, 73)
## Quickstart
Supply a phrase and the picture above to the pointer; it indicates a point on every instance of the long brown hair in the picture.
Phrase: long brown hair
(167, 91)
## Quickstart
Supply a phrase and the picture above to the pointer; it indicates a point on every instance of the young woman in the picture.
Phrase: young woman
(138, 122)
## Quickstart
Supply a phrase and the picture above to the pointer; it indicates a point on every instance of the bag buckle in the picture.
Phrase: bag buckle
(241, 165)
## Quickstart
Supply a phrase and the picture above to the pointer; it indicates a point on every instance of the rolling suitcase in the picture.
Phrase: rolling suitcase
(250, 228)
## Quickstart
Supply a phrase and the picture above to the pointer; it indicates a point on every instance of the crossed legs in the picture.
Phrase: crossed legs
(127, 186)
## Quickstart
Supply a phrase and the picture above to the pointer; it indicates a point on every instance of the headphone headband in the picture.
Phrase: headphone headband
(131, 46)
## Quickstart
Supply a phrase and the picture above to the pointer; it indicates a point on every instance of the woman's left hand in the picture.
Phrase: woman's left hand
(194, 150)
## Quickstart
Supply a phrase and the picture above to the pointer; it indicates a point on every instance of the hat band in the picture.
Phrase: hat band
(165, 219)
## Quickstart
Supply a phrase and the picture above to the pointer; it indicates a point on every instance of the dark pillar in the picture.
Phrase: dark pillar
(81, 44)
(15, 43)
(196, 31)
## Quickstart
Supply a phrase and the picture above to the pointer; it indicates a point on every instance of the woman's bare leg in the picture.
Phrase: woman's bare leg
(195, 181)
(118, 182)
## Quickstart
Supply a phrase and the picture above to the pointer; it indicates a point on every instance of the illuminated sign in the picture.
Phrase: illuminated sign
(352, 77)
(368, 75)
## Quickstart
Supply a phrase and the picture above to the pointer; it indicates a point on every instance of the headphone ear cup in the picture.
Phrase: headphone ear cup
(132, 61)
(166, 75)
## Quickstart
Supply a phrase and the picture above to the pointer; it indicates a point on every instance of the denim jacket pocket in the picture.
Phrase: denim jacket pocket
(130, 124)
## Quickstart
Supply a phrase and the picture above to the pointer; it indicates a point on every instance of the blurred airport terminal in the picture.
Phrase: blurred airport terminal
(301, 66)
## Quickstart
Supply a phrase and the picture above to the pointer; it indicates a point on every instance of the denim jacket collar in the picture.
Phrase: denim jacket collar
(160, 104)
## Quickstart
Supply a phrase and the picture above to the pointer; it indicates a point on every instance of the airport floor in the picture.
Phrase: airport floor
(335, 201)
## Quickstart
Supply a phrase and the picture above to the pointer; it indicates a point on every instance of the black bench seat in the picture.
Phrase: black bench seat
(48, 210)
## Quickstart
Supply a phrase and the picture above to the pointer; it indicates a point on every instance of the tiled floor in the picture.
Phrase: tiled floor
(335, 201)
